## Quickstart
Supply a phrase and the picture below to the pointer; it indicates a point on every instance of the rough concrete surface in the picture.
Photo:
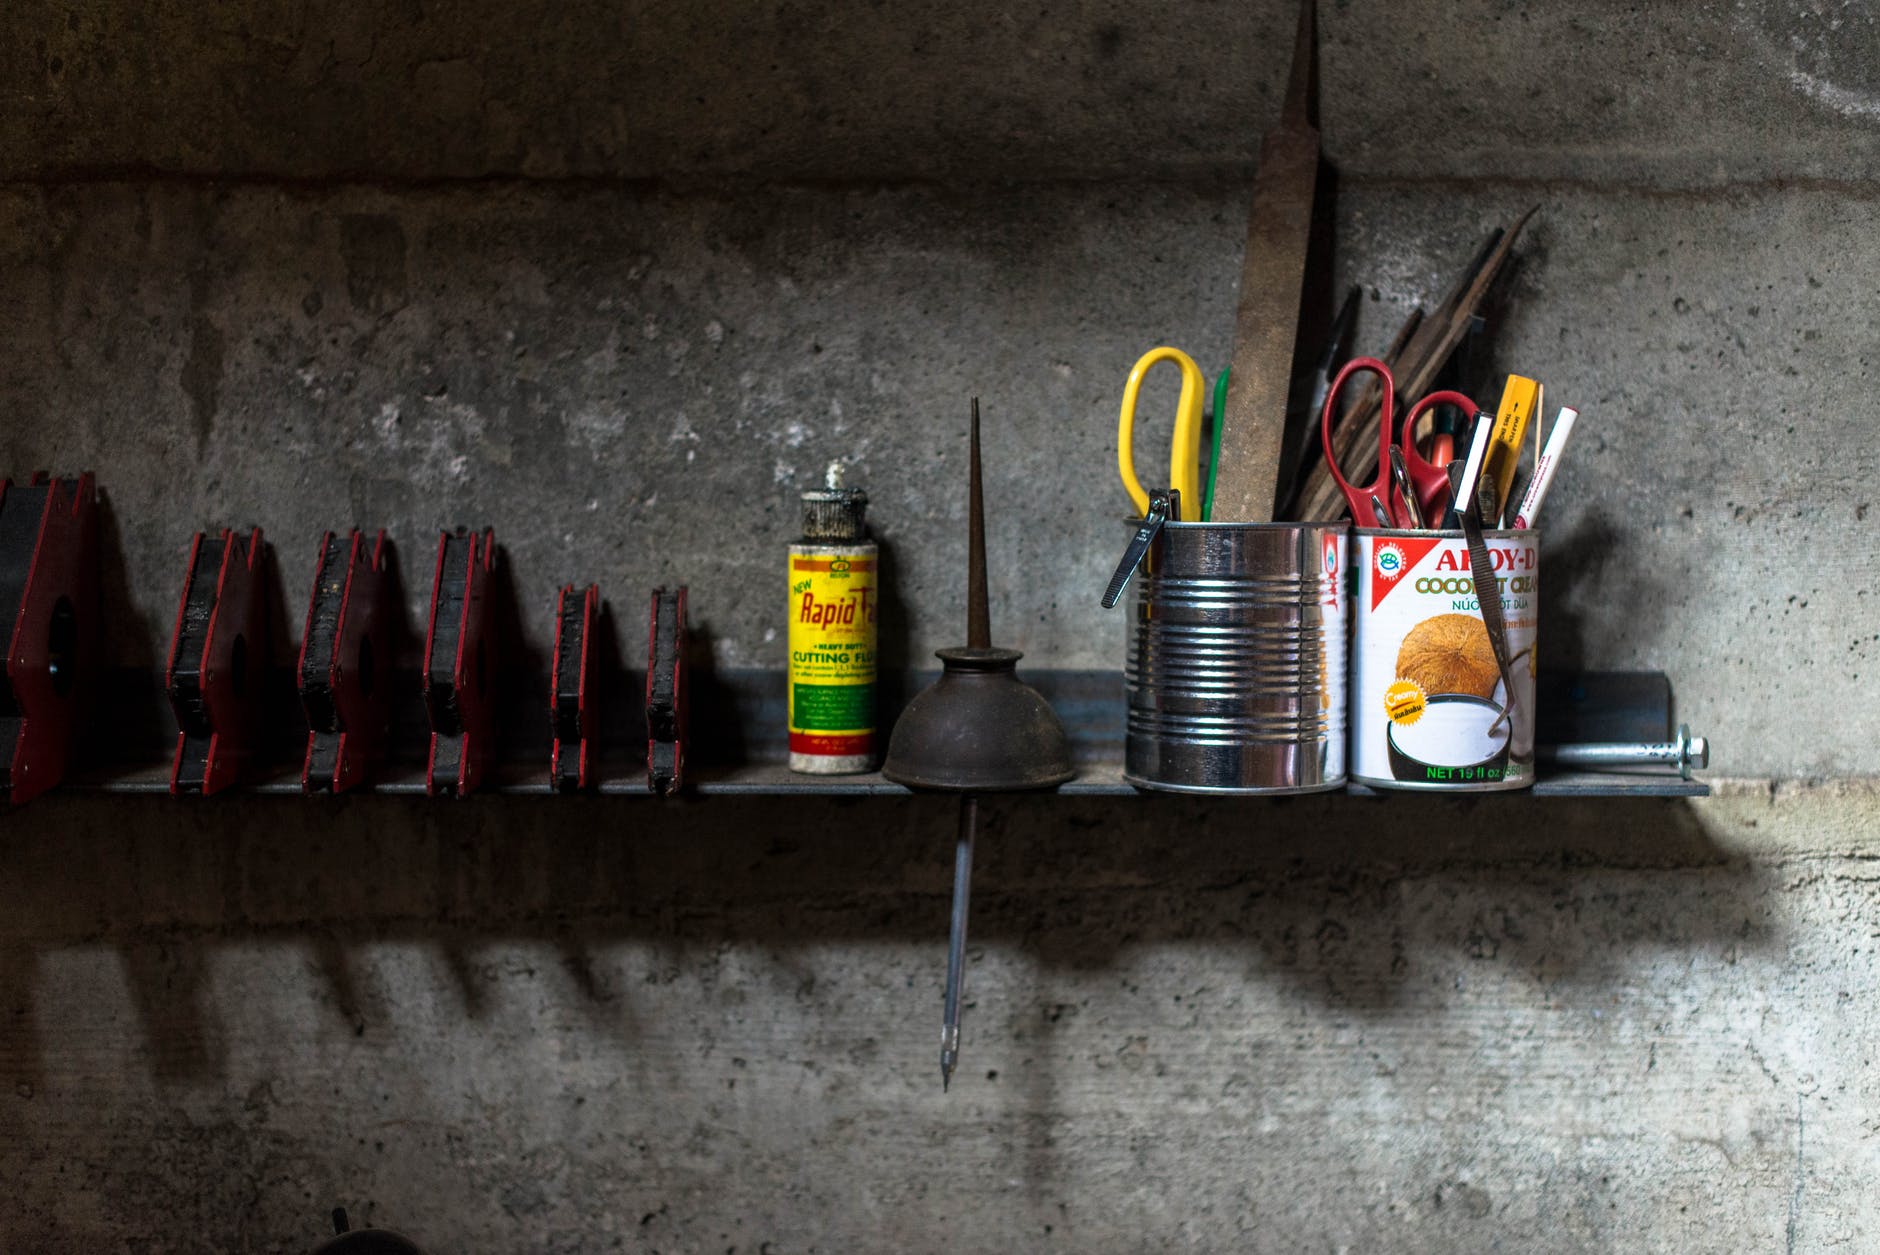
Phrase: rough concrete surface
(1662, 94)
(620, 282)
(633, 388)
(1321, 1025)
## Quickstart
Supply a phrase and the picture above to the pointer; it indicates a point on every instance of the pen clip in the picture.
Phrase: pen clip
(1165, 506)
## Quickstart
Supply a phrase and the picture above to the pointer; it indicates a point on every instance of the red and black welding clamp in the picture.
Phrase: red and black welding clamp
(218, 662)
(49, 621)
(667, 708)
(345, 662)
(456, 662)
(571, 696)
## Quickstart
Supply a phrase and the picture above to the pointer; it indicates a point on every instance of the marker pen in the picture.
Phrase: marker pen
(1544, 469)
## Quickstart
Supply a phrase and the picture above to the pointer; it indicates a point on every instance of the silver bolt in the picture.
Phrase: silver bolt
(1687, 753)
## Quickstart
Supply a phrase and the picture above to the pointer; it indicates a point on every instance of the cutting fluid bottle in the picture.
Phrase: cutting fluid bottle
(832, 635)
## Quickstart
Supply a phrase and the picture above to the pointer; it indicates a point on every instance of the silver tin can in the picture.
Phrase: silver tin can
(1429, 709)
(1236, 668)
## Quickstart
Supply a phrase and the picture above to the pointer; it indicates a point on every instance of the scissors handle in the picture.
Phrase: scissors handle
(1359, 496)
(1184, 450)
(1430, 480)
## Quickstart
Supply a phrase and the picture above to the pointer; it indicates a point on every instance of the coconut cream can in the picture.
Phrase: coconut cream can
(1429, 707)
(832, 610)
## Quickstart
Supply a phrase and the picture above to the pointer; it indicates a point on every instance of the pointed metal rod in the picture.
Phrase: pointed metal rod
(978, 636)
(978, 609)
(956, 938)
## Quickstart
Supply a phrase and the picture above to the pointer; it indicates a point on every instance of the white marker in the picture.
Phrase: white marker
(1471, 470)
(1544, 469)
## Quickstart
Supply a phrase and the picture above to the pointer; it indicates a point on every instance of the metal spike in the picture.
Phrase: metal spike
(978, 607)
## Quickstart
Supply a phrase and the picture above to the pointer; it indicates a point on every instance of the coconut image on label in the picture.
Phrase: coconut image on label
(1458, 718)
(1450, 653)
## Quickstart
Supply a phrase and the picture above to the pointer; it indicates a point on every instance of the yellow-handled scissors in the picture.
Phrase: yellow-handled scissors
(1184, 450)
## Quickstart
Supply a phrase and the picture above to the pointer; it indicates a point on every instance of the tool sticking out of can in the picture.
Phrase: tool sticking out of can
(1544, 468)
(1272, 279)
(1410, 491)
(978, 729)
(1403, 485)
(1418, 358)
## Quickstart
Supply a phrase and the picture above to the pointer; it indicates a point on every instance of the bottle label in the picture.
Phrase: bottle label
(832, 654)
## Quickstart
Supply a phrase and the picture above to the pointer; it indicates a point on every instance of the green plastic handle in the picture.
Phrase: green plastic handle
(1214, 448)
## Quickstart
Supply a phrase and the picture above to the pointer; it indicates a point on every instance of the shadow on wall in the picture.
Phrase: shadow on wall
(1582, 560)
(1338, 899)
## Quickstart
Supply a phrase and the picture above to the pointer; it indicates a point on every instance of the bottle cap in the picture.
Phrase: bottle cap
(834, 514)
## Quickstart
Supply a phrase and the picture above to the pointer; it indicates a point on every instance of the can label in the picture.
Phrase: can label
(1429, 708)
(832, 656)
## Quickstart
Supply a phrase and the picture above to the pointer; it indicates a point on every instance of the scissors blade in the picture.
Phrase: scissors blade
(1380, 513)
(1400, 475)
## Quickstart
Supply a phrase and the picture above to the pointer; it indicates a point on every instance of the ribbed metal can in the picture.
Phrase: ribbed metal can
(1236, 665)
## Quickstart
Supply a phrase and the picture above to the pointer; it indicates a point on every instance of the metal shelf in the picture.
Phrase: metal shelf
(738, 718)
(1105, 779)
(1102, 779)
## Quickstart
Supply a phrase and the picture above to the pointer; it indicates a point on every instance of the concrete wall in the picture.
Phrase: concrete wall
(1641, 94)
(620, 283)
(1325, 1025)
(635, 386)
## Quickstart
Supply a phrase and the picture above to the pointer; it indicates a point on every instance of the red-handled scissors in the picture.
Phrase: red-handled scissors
(1429, 481)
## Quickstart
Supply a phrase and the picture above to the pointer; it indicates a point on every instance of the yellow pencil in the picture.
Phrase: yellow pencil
(1504, 447)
